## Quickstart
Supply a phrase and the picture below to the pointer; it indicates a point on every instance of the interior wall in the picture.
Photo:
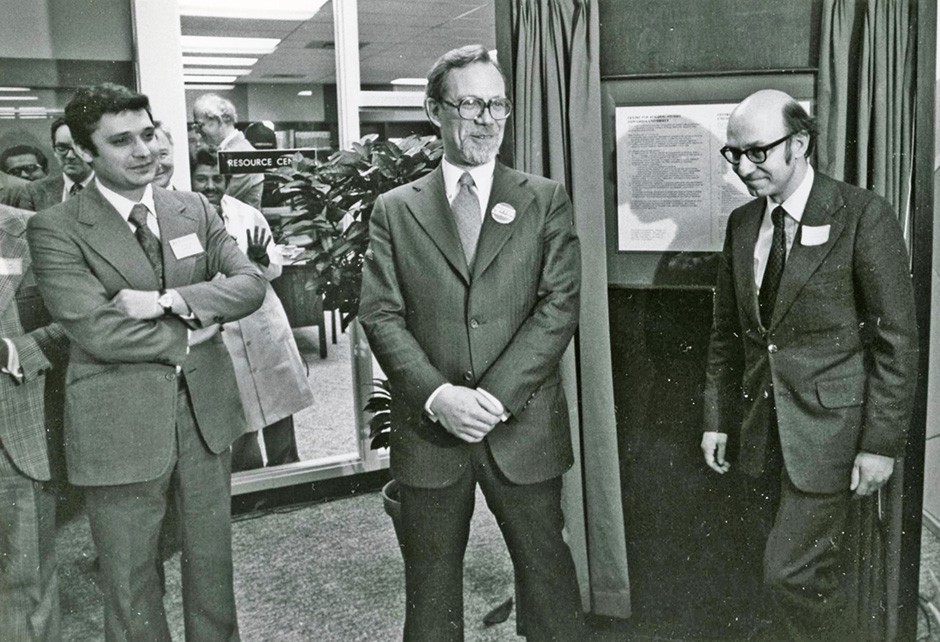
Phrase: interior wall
(66, 29)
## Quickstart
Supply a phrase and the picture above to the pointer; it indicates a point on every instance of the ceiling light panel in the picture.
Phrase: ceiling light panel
(208, 79)
(204, 87)
(228, 45)
(205, 71)
(216, 61)
(251, 9)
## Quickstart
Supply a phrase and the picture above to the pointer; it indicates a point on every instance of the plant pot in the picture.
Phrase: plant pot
(392, 504)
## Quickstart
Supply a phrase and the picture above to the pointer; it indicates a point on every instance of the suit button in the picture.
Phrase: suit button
(766, 394)
(772, 348)
(474, 323)
(468, 376)
(169, 376)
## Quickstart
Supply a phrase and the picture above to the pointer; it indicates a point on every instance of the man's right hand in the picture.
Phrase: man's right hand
(465, 413)
(201, 335)
(713, 446)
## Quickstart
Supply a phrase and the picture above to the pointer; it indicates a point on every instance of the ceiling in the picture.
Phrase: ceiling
(397, 38)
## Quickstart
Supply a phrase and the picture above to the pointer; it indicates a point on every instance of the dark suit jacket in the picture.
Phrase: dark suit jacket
(121, 388)
(11, 188)
(502, 327)
(42, 194)
(24, 432)
(840, 351)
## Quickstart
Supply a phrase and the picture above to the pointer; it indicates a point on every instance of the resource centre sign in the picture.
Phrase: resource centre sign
(259, 161)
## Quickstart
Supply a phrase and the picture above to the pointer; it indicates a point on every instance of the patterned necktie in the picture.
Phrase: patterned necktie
(774, 270)
(466, 207)
(75, 189)
(147, 239)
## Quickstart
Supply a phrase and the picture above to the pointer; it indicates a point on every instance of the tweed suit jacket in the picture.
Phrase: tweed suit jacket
(122, 378)
(23, 320)
(501, 325)
(42, 194)
(839, 357)
(10, 189)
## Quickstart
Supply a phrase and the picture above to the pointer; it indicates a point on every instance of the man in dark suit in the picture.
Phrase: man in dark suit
(29, 345)
(151, 397)
(52, 190)
(470, 296)
(812, 362)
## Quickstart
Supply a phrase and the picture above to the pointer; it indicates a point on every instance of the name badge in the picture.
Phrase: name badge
(186, 246)
(814, 235)
(503, 213)
(10, 267)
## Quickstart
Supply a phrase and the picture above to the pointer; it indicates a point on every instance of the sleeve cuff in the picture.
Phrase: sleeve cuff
(12, 366)
(427, 404)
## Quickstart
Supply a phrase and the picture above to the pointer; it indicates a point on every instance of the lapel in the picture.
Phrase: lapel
(822, 208)
(175, 222)
(507, 188)
(110, 236)
(745, 238)
(12, 246)
(429, 206)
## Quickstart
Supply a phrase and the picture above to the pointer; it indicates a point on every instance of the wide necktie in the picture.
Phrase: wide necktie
(147, 239)
(774, 270)
(75, 189)
(466, 208)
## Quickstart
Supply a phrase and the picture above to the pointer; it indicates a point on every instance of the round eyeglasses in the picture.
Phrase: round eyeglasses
(62, 149)
(470, 108)
(756, 155)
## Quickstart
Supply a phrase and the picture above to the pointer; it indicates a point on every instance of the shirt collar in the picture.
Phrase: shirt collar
(69, 182)
(123, 204)
(228, 139)
(482, 176)
(796, 204)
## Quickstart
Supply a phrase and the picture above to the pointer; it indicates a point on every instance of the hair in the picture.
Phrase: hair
(58, 122)
(19, 150)
(261, 136)
(456, 59)
(159, 126)
(84, 111)
(215, 106)
(796, 120)
(205, 157)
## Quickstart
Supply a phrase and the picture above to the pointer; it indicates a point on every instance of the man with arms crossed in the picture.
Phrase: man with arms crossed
(812, 361)
(470, 296)
(151, 398)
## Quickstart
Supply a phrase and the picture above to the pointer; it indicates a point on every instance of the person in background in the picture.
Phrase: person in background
(811, 366)
(30, 436)
(470, 296)
(52, 190)
(165, 163)
(215, 119)
(272, 378)
(151, 399)
(26, 161)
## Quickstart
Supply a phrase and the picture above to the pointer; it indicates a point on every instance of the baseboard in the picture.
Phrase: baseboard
(315, 492)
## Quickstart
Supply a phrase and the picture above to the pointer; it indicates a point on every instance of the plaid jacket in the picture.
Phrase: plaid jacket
(23, 320)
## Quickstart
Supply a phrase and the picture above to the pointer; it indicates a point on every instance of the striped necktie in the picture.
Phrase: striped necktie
(147, 239)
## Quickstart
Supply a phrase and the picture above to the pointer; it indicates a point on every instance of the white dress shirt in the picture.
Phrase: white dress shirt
(68, 183)
(482, 179)
(794, 206)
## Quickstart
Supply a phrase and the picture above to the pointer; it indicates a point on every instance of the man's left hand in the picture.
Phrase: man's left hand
(138, 304)
(870, 472)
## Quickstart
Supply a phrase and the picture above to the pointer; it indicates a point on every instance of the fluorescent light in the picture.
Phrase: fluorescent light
(410, 82)
(210, 79)
(211, 87)
(19, 97)
(32, 116)
(14, 88)
(252, 9)
(215, 72)
(224, 44)
(305, 92)
(214, 61)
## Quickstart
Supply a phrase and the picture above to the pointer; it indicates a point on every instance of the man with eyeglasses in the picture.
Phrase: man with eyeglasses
(470, 296)
(25, 161)
(812, 363)
(52, 190)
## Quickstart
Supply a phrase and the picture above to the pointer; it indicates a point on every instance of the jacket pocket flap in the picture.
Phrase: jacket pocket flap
(841, 393)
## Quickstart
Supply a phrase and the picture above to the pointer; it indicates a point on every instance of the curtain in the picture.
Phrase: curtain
(555, 77)
(865, 110)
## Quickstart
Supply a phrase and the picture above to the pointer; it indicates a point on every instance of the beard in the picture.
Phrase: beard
(481, 151)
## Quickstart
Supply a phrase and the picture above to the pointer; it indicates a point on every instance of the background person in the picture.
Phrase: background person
(52, 190)
(26, 161)
(812, 361)
(165, 162)
(470, 296)
(272, 378)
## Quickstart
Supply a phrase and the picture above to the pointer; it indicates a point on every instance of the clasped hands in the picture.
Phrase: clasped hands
(466, 413)
(869, 471)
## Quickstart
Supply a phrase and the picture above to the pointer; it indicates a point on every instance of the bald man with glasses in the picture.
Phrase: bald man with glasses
(812, 363)
(76, 174)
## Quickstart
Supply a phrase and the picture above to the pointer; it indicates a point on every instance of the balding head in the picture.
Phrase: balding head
(215, 117)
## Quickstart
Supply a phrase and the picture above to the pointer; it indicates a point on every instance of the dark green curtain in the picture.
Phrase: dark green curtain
(557, 133)
(865, 110)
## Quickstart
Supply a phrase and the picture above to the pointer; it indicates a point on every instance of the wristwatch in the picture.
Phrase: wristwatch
(165, 301)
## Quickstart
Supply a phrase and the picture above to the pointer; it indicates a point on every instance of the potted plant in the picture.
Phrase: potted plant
(333, 202)
(380, 429)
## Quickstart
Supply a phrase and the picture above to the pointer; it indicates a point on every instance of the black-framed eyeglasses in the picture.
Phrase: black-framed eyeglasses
(756, 155)
(62, 149)
(471, 107)
(25, 171)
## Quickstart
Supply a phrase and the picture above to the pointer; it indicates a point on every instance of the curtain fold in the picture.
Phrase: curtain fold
(865, 110)
(557, 133)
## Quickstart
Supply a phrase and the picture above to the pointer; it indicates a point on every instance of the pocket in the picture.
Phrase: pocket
(844, 392)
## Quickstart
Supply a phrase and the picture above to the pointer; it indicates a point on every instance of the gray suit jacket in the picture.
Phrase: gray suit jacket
(502, 326)
(839, 356)
(42, 194)
(10, 189)
(121, 386)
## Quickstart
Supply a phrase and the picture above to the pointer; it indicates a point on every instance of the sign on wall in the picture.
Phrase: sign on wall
(259, 161)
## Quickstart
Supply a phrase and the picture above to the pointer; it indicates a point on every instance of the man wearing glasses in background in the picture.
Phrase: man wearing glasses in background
(52, 190)
(470, 295)
(812, 364)
(25, 161)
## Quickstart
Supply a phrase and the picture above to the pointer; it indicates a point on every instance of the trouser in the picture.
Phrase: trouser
(435, 530)
(125, 525)
(29, 588)
(280, 446)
